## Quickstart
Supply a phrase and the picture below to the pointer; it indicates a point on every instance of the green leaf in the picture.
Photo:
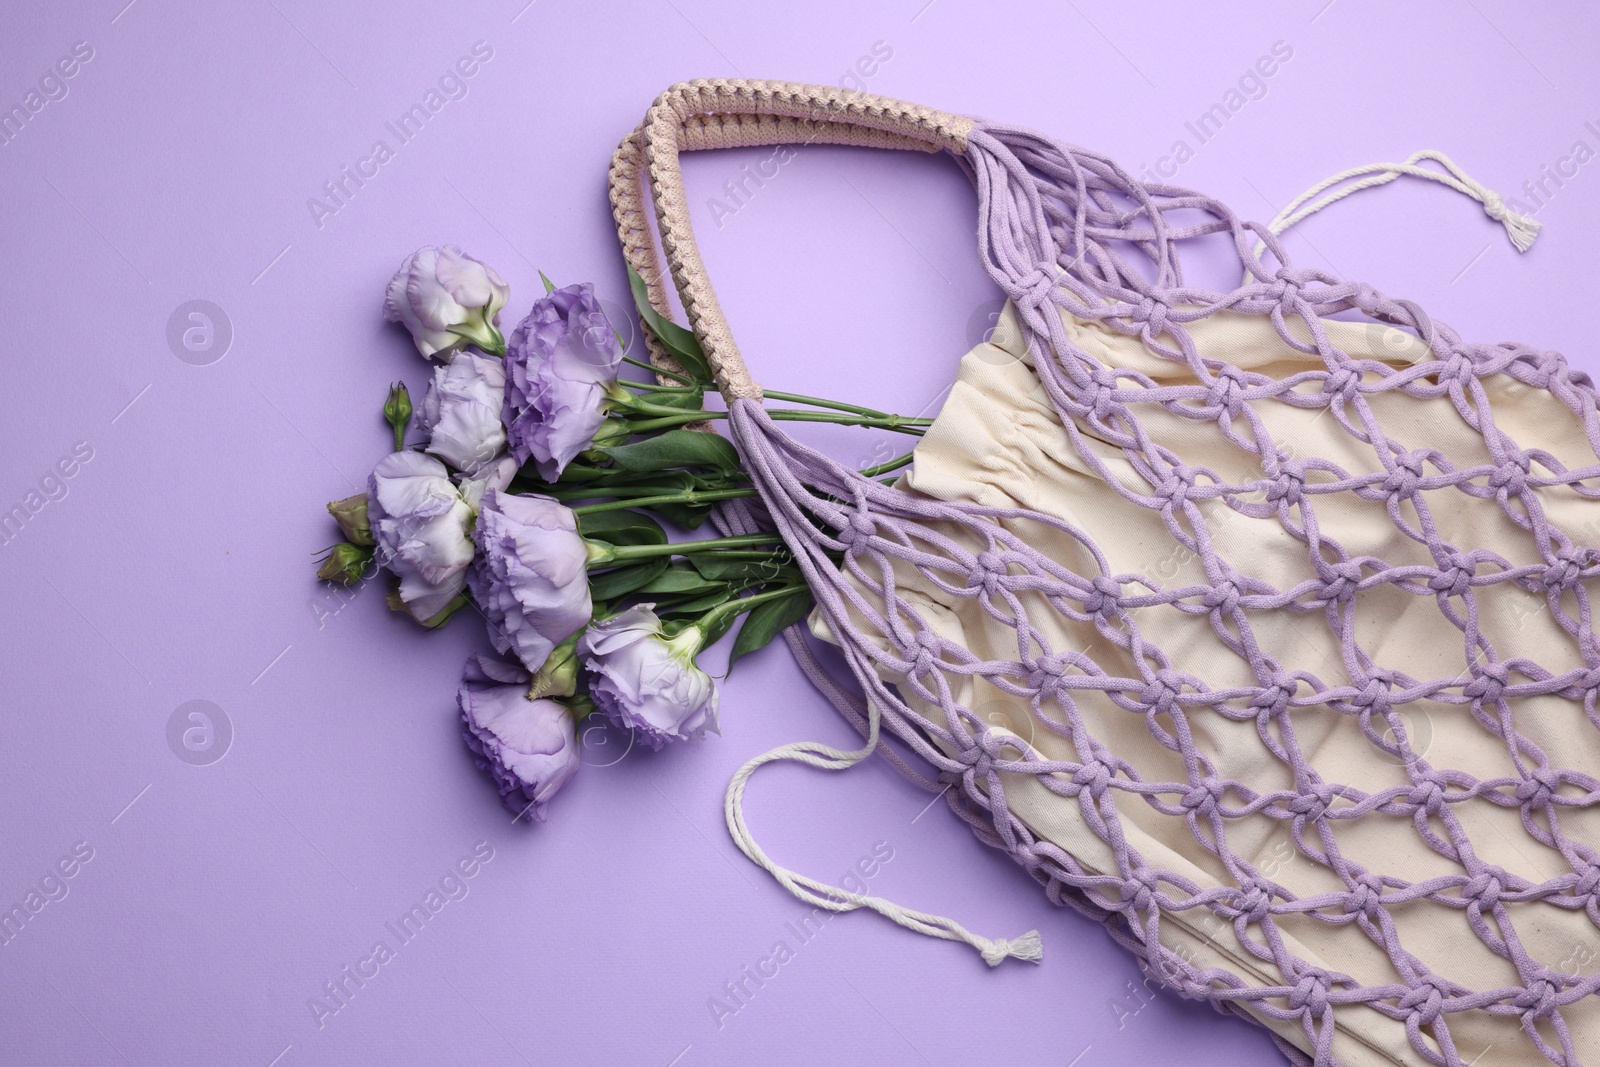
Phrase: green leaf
(680, 579)
(684, 516)
(622, 527)
(677, 448)
(574, 474)
(663, 482)
(549, 286)
(680, 342)
(608, 585)
(744, 571)
(698, 606)
(766, 622)
(694, 401)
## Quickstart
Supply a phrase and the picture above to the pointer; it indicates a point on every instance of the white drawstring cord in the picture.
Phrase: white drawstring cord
(821, 895)
(1522, 229)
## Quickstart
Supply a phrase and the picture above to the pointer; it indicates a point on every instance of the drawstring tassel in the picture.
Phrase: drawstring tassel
(1027, 947)
(1522, 229)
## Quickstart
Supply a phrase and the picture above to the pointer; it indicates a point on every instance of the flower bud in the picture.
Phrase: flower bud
(351, 515)
(345, 564)
(397, 412)
(612, 432)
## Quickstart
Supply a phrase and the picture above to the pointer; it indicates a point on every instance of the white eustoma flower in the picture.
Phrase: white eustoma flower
(447, 299)
(419, 521)
(645, 681)
(461, 411)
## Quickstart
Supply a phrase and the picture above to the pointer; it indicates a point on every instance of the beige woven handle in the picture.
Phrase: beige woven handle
(720, 113)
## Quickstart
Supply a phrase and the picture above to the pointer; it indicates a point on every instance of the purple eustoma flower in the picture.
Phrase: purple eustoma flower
(561, 361)
(531, 574)
(646, 681)
(529, 746)
(447, 299)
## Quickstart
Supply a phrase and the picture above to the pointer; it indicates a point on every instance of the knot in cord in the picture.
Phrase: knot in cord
(1403, 482)
(858, 527)
(1538, 999)
(1488, 681)
(1484, 889)
(1366, 897)
(1033, 289)
(1289, 486)
(1093, 776)
(1541, 784)
(1341, 582)
(1226, 393)
(1310, 993)
(1427, 795)
(1456, 579)
(1152, 314)
(1425, 1002)
(1511, 477)
(1048, 670)
(1104, 599)
(1028, 947)
(925, 651)
(1252, 903)
(989, 574)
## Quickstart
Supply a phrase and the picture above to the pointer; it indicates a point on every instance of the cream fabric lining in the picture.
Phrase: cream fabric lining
(998, 441)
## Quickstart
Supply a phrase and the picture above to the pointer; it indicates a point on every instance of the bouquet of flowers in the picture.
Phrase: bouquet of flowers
(540, 497)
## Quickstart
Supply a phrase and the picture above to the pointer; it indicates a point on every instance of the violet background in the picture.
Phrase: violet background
(220, 898)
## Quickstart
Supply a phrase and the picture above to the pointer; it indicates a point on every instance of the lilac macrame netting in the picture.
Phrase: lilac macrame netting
(1065, 230)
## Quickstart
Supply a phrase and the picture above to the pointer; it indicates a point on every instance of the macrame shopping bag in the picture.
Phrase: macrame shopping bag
(1255, 624)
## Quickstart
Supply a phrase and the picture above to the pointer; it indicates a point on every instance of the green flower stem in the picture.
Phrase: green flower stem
(893, 465)
(667, 422)
(770, 394)
(652, 368)
(897, 423)
(602, 555)
(688, 496)
(816, 402)
(645, 498)
(579, 704)
(741, 605)
(638, 405)
(901, 423)
(650, 387)
(599, 489)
